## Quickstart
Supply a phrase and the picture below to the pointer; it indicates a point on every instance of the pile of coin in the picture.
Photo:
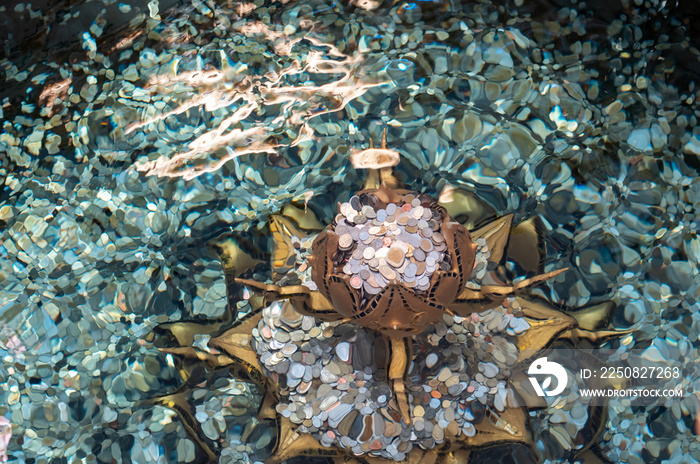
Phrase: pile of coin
(398, 243)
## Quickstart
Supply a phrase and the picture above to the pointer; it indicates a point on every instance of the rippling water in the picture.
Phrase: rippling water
(136, 134)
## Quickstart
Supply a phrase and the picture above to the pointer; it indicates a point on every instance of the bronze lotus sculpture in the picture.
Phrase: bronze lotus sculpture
(391, 267)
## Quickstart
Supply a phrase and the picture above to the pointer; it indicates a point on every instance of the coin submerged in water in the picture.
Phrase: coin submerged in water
(389, 244)
(345, 242)
(395, 256)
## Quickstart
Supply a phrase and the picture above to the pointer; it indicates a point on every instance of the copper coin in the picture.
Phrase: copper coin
(420, 268)
(356, 281)
(386, 241)
(426, 245)
(406, 207)
(409, 198)
(438, 238)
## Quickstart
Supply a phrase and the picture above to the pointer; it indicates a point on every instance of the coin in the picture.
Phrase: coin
(370, 289)
(418, 212)
(426, 245)
(406, 207)
(355, 203)
(381, 215)
(356, 281)
(418, 254)
(415, 202)
(381, 281)
(387, 272)
(395, 256)
(410, 270)
(345, 242)
(368, 253)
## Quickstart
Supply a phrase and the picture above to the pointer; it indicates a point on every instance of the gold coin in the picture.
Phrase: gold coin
(387, 272)
(395, 256)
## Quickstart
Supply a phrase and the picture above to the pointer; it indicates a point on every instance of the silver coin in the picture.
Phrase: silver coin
(381, 281)
(418, 211)
(370, 289)
(410, 270)
(345, 242)
(355, 203)
(368, 253)
(359, 219)
(381, 215)
(419, 254)
(364, 274)
(391, 209)
(415, 202)
(426, 232)
(364, 235)
(341, 228)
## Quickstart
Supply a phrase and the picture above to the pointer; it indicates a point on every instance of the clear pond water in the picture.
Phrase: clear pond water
(137, 134)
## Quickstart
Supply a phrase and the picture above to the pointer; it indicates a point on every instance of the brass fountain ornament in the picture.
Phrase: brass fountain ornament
(380, 285)
(398, 308)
